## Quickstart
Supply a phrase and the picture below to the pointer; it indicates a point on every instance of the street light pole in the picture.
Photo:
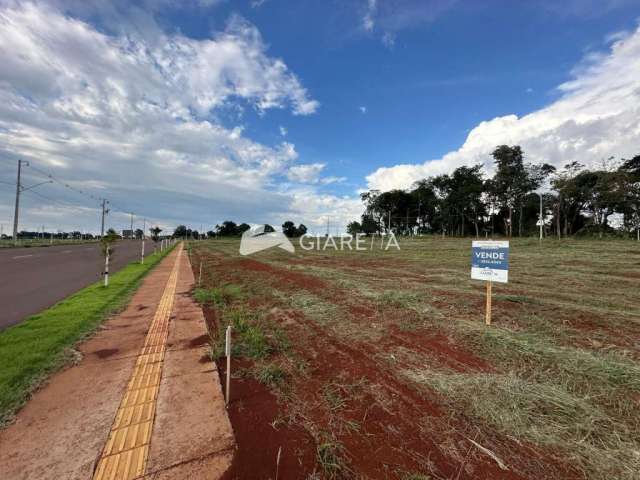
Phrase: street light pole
(104, 212)
(17, 209)
(144, 227)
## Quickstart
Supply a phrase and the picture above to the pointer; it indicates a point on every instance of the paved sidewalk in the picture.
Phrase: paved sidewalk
(65, 428)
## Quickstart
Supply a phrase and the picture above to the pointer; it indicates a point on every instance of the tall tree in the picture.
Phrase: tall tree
(227, 229)
(180, 231)
(630, 207)
(354, 228)
(155, 233)
(289, 228)
(301, 230)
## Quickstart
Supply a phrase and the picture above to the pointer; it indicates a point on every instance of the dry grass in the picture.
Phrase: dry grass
(564, 346)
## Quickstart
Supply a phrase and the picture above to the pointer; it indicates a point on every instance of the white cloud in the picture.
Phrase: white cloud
(389, 39)
(308, 173)
(332, 179)
(368, 19)
(320, 209)
(283, 131)
(136, 118)
(388, 17)
(363, 109)
(595, 117)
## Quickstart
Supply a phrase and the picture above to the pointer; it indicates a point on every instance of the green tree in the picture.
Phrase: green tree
(425, 202)
(289, 228)
(369, 225)
(155, 233)
(227, 229)
(180, 231)
(630, 207)
(353, 228)
(301, 230)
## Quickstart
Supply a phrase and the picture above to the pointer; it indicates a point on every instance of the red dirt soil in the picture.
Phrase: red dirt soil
(388, 428)
(253, 411)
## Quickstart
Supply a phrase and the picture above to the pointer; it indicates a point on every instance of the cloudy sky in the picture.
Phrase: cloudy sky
(260, 111)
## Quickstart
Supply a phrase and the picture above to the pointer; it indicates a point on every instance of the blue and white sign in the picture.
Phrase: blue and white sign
(490, 261)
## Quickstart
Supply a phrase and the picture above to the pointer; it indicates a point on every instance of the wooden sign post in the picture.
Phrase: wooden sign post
(490, 262)
(487, 316)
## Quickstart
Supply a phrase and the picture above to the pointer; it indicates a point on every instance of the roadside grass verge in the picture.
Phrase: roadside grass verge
(43, 343)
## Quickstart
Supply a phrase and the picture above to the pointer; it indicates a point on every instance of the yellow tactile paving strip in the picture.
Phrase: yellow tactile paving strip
(125, 454)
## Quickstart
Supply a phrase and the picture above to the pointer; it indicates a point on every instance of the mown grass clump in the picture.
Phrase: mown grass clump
(545, 414)
(415, 476)
(270, 374)
(398, 298)
(219, 296)
(253, 337)
(33, 349)
(330, 456)
(537, 356)
(334, 398)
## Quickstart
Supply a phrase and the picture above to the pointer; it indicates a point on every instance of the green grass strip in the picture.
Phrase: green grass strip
(41, 344)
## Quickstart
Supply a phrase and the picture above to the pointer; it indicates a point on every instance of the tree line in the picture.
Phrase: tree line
(574, 199)
(229, 228)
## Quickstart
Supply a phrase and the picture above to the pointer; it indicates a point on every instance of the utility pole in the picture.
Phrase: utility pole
(131, 226)
(17, 210)
(105, 211)
(142, 247)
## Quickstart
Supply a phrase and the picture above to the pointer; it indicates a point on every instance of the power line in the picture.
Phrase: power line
(58, 202)
(65, 184)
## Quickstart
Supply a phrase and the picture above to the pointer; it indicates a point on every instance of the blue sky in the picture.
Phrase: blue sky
(207, 110)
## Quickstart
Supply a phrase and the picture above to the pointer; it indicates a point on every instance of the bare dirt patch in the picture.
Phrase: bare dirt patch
(366, 420)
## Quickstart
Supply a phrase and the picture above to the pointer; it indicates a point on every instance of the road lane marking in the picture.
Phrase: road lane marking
(67, 251)
(21, 256)
(125, 454)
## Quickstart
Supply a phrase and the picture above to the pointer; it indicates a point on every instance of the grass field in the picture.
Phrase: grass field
(382, 358)
(33, 349)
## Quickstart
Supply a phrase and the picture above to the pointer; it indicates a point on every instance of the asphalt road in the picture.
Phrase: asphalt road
(32, 279)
